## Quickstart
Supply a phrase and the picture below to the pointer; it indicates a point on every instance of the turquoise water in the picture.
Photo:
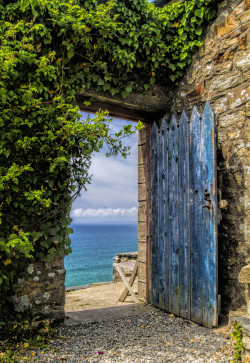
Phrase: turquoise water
(93, 248)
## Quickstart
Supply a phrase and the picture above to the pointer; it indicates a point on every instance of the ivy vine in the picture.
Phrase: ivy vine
(49, 52)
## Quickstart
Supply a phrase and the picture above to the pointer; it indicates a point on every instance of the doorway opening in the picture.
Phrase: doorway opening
(105, 225)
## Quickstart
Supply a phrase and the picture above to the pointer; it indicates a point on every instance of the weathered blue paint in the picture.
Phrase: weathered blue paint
(184, 213)
(173, 234)
(184, 217)
(155, 215)
(163, 217)
(196, 243)
(209, 215)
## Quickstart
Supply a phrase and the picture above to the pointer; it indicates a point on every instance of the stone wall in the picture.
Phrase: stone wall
(219, 74)
(43, 292)
(240, 319)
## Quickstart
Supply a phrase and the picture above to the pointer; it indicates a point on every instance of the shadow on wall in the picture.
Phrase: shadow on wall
(232, 247)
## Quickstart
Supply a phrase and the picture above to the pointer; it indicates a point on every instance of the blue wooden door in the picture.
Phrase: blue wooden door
(184, 217)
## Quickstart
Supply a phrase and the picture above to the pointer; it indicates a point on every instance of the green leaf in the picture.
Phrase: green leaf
(199, 31)
(172, 66)
(100, 82)
(87, 103)
(199, 12)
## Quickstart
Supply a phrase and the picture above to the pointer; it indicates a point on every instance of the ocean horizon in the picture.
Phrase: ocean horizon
(94, 245)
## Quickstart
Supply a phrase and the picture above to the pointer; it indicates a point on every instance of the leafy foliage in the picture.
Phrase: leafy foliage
(49, 52)
(238, 344)
(22, 335)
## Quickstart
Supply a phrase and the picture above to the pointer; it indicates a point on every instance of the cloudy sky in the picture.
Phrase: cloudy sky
(112, 195)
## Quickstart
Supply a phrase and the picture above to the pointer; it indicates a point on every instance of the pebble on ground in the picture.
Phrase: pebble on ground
(154, 336)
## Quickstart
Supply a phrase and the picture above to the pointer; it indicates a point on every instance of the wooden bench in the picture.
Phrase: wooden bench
(128, 284)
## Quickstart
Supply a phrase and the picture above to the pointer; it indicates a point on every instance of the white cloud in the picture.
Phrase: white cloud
(114, 171)
(105, 212)
(113, 189)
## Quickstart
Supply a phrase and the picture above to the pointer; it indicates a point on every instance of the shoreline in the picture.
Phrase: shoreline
(73, 288)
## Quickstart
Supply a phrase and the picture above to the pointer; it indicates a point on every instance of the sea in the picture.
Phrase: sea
(93, 248)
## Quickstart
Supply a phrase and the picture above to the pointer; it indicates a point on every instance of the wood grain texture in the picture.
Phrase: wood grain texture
(184, 217)
(184, 225)
(196, 285)
(209, 216)
(155, 215)
(174, 248)
(163, 218)
(148, 215)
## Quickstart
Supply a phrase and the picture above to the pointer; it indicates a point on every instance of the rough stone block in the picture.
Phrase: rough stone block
(141, 154)
(220, 105)
(248, 109)
(240, 8)
(244, 62)
(142, 211)
(222, 83)
(239, 96)
(245, 17)
(142, 135)
(223, 4)
(245, 357)
(43, 288)
(142, 251)
(233, 135)
(244, 276)
(142, 173)
(231, 22)
(142, 192)
(22, 303)
(141, 271)
(142, 290)
(142, 231)
(232, 119)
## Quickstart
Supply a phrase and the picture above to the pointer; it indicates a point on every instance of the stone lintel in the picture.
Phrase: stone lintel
(144, 107)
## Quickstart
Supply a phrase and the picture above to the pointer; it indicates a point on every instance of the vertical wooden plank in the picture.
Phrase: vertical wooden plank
(155, 215)
(163, 217)
(209, 216)
(148, 214)
(184, 228)
(196, 242)
(174, 292)
(166, 247)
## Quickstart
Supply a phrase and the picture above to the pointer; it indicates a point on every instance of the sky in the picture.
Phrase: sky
(112, 194)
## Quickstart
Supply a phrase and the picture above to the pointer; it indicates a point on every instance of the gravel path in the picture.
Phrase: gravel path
(151, 336)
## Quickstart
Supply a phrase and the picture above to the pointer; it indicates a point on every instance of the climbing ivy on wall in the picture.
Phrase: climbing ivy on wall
(50, 50)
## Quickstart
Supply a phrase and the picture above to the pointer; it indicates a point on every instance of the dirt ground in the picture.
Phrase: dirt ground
(97, 296)
(100, 301)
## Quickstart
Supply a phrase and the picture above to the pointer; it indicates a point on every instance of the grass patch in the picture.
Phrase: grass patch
(22, 335)
(238, 344)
